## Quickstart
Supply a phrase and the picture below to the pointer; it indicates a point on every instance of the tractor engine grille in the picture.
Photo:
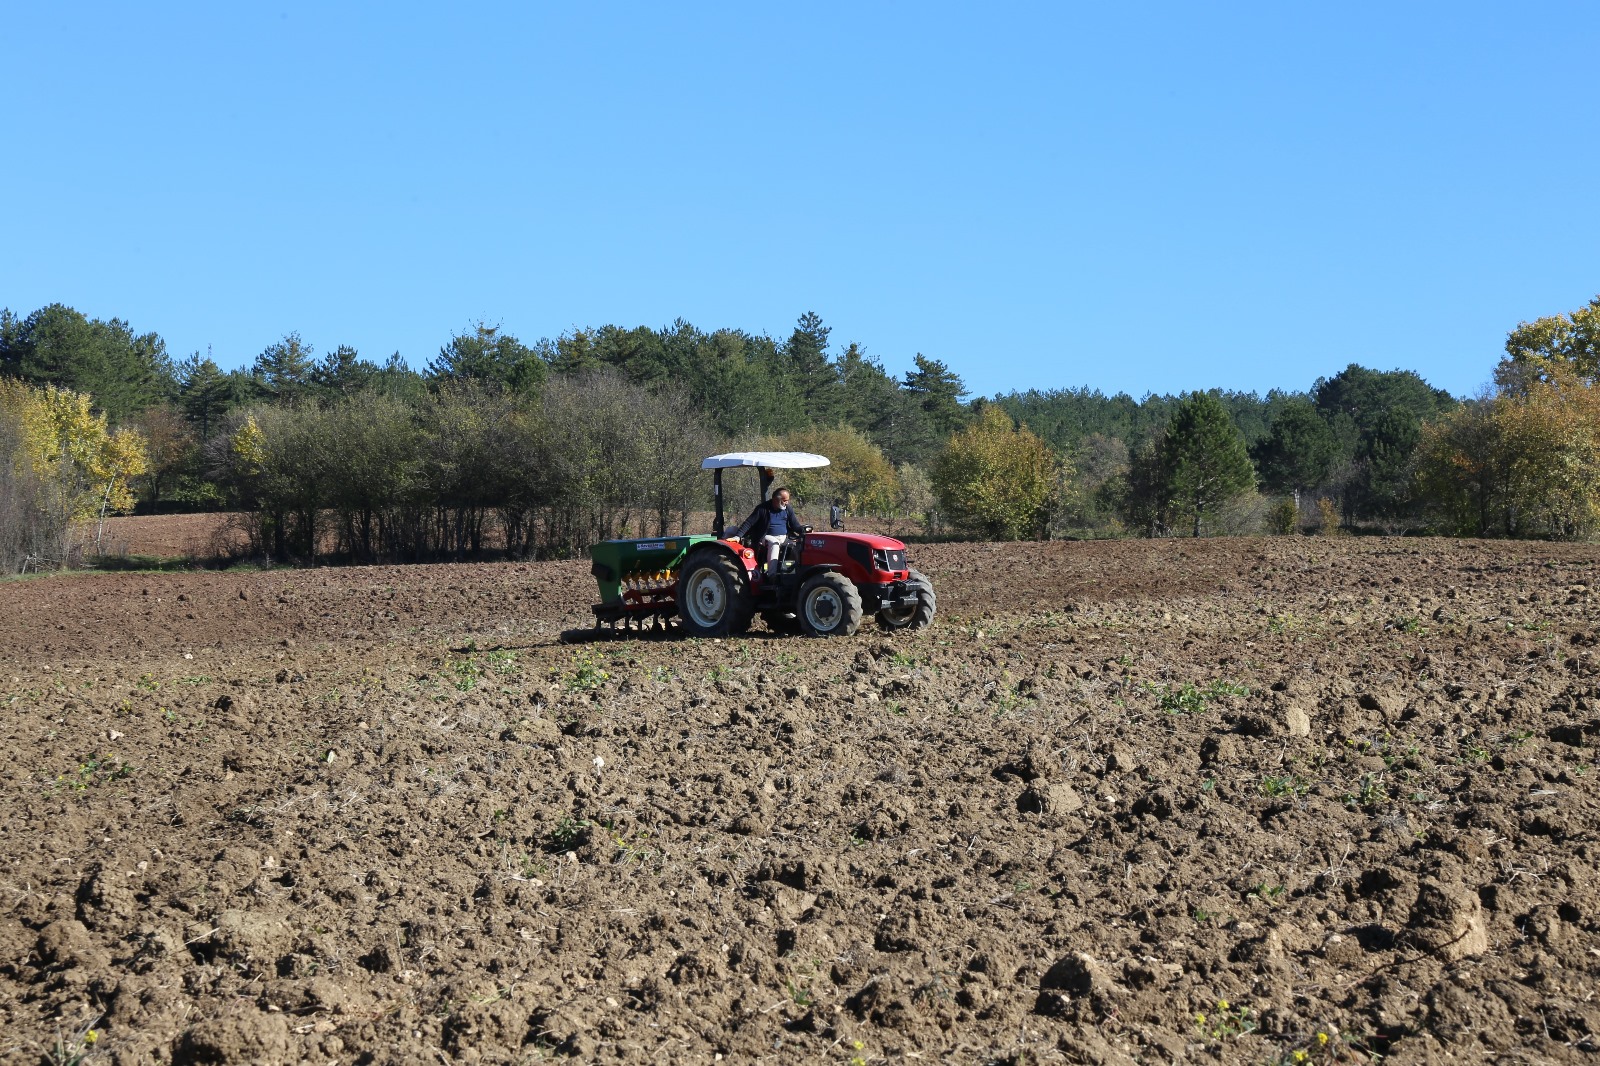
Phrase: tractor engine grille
(888, 560)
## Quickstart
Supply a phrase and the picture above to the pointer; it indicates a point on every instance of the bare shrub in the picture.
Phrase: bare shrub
(1328, 523)
(27, 530)
(1241, 516)
(471, 470)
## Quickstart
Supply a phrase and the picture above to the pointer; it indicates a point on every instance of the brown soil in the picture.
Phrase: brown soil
(381, 815)
(197, 536)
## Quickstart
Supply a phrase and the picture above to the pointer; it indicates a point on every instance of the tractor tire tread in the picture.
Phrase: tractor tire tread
(849, 598)
(736, 584)
(927, 606)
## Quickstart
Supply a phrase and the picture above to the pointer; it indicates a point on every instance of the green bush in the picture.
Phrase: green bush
(1283, 517)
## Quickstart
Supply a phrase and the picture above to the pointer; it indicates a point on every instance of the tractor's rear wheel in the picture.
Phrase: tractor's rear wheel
(714, 596)
(830, 606)
(917, 616)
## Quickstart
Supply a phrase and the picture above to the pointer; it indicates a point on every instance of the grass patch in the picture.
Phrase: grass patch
(1189, 699)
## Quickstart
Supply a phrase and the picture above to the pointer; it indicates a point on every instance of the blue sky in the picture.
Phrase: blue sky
(1136, 197)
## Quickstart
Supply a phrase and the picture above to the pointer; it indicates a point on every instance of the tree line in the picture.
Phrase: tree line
(1348, 442)
(536, 449)
(495, 445)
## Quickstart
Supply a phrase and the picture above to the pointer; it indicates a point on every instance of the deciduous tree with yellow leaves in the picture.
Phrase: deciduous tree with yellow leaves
(65, 467)
(859, 478)
(997, 479)
(1572, 339)
(1524, 462)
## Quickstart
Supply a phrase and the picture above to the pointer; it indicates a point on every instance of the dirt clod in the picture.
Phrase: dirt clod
(1448, 920)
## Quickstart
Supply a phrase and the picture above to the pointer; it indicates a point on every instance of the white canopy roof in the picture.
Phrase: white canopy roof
(776, 460)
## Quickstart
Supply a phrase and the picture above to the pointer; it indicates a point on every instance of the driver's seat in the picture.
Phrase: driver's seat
(789, 555)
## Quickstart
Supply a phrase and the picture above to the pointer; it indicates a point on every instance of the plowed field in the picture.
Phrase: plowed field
(1254, 801)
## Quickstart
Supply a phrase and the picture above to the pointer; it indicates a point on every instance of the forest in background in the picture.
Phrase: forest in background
(497, 446)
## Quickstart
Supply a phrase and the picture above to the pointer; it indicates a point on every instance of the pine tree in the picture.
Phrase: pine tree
(488, 354)
(10, 339)
(205, 394)
(874, 402)
(938, 391)
(397, 380)
(284, 369)
(574, 353)
(57, 345)
(1385, 454)
(1202, 458)
(342, 372)
(815, 378)
(1298, 451)
(1376, 417)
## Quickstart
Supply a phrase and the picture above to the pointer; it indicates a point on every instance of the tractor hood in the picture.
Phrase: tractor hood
(821, 538)
(774, 460)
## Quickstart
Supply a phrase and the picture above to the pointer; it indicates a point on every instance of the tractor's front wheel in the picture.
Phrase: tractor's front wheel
(714, 596)
(830, 606)
(917, 616)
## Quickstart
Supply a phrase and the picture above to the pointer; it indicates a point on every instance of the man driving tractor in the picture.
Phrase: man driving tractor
(771, 523)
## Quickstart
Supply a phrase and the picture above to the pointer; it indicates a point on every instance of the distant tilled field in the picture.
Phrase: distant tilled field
(1253, 801)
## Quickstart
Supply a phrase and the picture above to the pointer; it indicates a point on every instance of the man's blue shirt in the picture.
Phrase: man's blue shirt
(764, 521)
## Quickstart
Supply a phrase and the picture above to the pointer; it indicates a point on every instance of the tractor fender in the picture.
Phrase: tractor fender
(732, 549)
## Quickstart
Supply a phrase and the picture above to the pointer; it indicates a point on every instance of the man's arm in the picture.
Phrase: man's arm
(744, 527)
(795, 528)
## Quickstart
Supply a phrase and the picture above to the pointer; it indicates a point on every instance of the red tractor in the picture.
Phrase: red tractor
(824, 583)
